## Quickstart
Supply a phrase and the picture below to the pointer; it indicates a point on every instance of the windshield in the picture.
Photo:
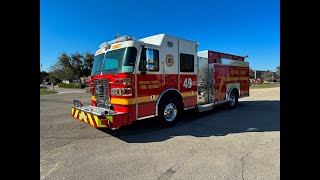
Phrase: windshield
(117, 61)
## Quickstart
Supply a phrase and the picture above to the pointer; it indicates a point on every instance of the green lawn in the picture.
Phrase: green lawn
(271, 85)
(42, 92)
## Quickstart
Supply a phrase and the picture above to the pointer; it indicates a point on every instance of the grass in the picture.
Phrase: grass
(42, 92)
(79, 86)
(258, 86)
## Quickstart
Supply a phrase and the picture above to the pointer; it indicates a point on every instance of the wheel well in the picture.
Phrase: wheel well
(173, 93)
(235, 90)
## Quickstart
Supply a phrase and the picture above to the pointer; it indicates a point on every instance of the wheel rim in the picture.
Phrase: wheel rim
(232, 99)
(170, 112)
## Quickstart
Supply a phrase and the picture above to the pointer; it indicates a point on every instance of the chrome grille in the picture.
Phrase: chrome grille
(101, 92)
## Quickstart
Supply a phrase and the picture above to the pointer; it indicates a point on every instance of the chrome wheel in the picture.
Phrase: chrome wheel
(232, 99)
(170, 112)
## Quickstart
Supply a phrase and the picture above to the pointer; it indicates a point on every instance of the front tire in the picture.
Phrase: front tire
(169, 111)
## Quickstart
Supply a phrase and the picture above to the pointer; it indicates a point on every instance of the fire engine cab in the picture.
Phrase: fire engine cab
(159, 76)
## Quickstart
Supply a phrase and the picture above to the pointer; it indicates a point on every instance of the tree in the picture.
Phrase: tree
(62, 73)
(72, 66)
(251, 73)
(88, 63)
(278, 71)
(77, 64)
(43, 75)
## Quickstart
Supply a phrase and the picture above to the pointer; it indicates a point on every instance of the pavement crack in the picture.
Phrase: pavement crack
(269, 142)
(243, 163)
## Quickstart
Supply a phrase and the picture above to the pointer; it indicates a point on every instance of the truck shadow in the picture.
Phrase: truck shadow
(249, 116)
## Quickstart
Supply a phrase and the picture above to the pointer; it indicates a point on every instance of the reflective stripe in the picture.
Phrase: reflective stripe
(147, 99)
(76, 114)
(110, 118)
(90, 119)
(123, 101)
(85, 119)
(244, 78)
(188, 94)
(98, 122)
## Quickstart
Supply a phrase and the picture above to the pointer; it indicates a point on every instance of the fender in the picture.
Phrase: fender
(159, 98)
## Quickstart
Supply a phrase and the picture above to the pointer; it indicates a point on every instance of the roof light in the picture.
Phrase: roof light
(105, 45)
(121, 39)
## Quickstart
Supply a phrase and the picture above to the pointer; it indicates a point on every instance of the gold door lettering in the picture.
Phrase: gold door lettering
(149, 84)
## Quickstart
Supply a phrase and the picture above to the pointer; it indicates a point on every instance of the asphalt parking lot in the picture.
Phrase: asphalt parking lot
(223, 144)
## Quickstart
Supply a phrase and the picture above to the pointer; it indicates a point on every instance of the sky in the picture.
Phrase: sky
(240, 27)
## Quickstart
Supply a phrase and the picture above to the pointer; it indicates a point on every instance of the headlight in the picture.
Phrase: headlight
(121, 91)
(126, 81)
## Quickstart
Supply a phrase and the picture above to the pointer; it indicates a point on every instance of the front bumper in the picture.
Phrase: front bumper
(92, 116)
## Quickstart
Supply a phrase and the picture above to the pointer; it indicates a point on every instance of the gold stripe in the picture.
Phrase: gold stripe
(236, 78)
(187, 94)
(72, 110)
(147, 99)
(232, 78)
(93, 98)
(244, 78)
(90, 119)
(123, 101)
(76, 114)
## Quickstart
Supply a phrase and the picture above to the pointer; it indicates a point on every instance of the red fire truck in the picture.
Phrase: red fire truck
(159, 76)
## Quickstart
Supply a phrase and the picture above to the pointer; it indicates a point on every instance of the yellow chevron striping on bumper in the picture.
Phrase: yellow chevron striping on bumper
(84, 115)
(90, 119)
(98, 122)
(76, 114)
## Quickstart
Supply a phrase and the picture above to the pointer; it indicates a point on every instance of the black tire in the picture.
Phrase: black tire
(169, 111)
(233, 102)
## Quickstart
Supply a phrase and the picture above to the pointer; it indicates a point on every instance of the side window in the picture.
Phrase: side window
(186, 63)
(143, 60)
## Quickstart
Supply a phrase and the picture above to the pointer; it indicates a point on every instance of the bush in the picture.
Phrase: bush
(63, 85)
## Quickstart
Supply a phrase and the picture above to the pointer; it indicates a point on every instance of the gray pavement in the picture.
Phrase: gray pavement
(223, 144)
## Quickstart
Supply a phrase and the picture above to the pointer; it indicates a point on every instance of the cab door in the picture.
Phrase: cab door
(149, 83)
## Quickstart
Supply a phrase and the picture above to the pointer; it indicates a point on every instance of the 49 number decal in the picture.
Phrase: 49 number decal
(187, 83)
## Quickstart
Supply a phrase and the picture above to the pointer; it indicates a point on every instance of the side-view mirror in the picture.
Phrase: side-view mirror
(149, 55)
(150, 66)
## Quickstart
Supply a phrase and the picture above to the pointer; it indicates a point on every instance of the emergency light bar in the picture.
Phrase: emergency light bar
(107, 45)
(121, 39)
